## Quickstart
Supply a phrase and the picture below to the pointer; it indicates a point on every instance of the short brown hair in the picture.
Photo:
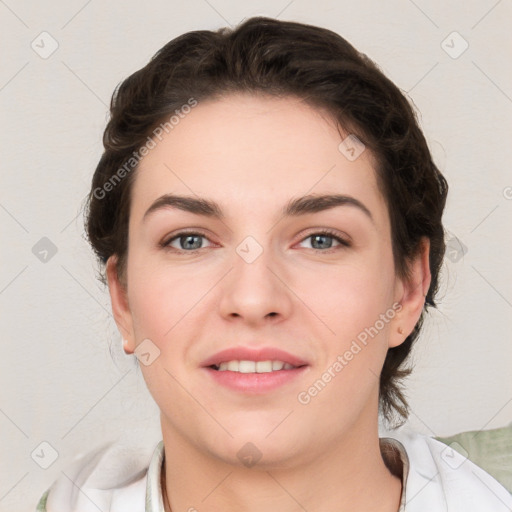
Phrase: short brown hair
(282, 58)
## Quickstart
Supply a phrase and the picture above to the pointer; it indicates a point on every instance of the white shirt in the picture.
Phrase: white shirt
(436, 478)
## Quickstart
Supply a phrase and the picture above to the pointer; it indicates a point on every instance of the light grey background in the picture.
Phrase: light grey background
(59, 384)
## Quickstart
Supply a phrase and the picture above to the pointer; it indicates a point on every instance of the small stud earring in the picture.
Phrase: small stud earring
(400, 330)
(125, 347)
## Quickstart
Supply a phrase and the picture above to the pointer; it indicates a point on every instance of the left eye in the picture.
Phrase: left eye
(323, 240)
(187, 241)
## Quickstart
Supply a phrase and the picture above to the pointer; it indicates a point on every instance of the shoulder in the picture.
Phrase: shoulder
(111, 477)
(442, 479)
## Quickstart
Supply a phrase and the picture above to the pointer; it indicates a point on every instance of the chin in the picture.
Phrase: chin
(257, 453)
(258, 443)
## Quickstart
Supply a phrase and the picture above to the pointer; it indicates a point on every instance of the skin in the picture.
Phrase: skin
(252, 154)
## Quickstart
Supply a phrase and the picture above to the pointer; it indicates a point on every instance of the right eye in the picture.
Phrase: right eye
(187, 241)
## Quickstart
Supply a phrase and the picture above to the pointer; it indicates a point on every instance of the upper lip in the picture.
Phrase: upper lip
(253, 354)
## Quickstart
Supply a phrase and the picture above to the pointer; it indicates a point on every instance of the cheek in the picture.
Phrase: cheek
(168, 303)
(356, 307)
(350, 297)
(156, 301)
(355, 304)
(159, 302)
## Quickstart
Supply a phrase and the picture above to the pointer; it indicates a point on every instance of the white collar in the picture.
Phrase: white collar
(118, 479)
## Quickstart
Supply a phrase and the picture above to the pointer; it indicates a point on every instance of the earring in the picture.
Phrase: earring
(400, 330)
(125, 347)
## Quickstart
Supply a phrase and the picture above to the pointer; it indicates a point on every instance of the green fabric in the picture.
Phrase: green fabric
(489, 449)
(41, 506)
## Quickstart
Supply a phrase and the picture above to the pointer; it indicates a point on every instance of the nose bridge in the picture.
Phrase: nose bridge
(253, 290)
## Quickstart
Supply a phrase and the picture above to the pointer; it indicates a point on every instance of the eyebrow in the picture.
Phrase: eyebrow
(304, 205)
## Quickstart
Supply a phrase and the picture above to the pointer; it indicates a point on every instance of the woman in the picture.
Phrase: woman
(269, 218)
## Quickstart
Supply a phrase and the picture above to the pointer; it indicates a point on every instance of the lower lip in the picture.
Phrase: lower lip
(255, 382)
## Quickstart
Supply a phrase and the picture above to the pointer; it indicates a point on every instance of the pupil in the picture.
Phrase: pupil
(191, 245)
(322, 238)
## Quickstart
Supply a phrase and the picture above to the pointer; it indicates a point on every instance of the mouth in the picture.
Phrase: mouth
(253, 371)
(246, 366)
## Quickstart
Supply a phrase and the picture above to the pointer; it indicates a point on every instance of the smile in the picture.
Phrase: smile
(245, 366)
(253, 370)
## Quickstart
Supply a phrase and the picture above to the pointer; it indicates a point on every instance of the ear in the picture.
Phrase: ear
(120, 306)
(410, 293)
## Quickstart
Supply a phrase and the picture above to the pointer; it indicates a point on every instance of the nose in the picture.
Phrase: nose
(256, 291)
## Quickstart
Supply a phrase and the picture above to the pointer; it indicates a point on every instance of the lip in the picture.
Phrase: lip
(253, 354)
(254, 383)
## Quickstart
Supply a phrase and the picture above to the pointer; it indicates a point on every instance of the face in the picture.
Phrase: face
(261, 275)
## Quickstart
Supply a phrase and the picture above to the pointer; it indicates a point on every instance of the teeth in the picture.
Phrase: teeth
(254, 366)
(246, 366)
(263, 366)
(233, 366)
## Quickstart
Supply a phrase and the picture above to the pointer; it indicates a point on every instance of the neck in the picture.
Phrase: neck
(352, 476)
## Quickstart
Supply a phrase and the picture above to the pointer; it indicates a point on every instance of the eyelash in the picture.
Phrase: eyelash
(165, 244)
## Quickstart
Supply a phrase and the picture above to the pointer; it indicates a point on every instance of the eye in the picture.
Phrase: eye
(188, 241)
(185, 241)
(323, 240)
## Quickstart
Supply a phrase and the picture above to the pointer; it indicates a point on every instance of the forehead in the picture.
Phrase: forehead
(250, 151)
